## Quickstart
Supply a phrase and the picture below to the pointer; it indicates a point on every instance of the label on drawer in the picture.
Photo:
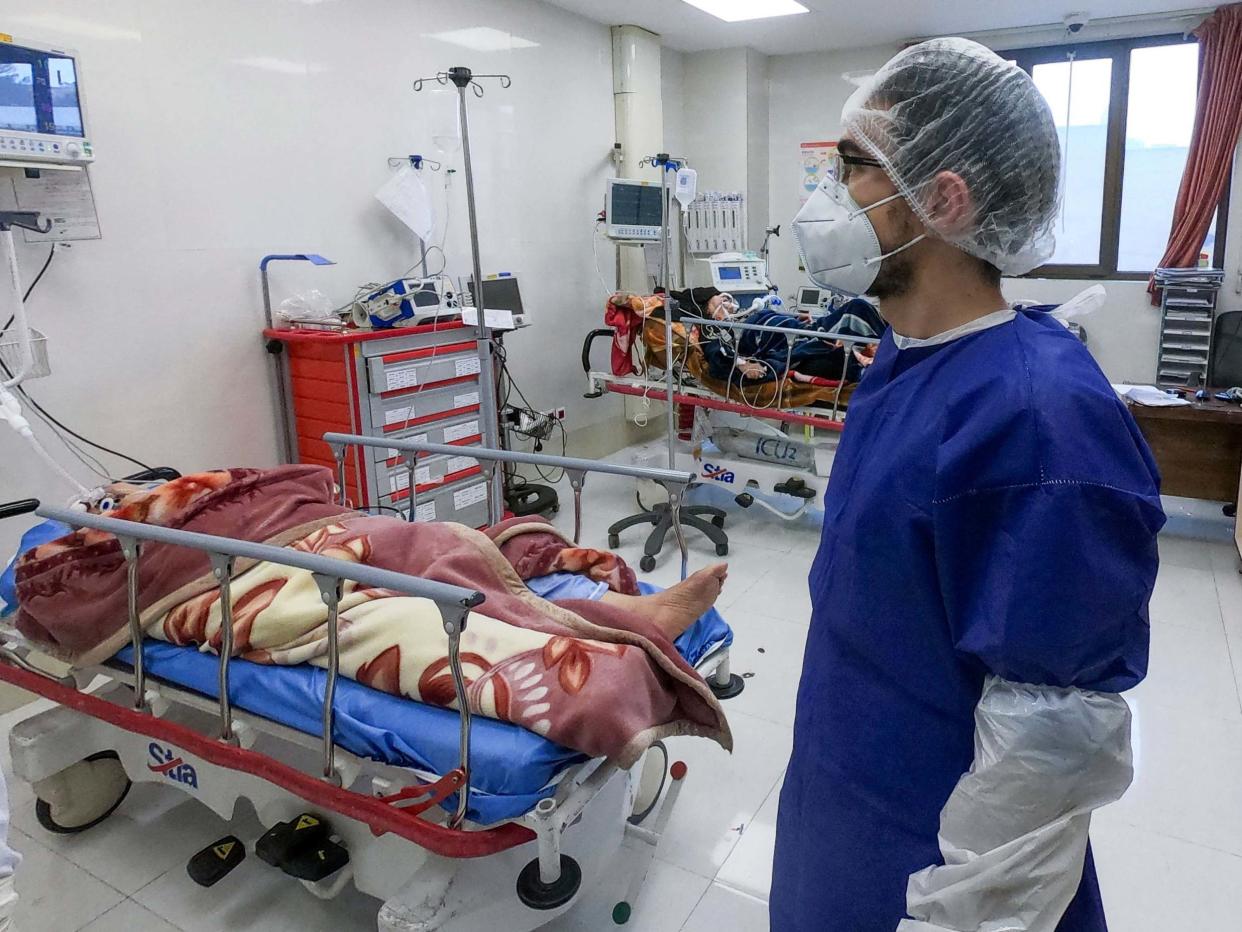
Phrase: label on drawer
(396, 415)
(471, 496)
(467, 366)
(401, 480)
(425, 512)
(402, 378)
(461, 431)
(458, 463)
(464, 401)
(417, 438)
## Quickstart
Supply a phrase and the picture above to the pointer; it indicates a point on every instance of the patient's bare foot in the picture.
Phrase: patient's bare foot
(678, 607)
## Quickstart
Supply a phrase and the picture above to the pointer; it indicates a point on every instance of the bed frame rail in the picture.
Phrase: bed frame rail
(453, 602)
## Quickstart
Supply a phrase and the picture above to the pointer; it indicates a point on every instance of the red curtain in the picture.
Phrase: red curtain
(1218, 123)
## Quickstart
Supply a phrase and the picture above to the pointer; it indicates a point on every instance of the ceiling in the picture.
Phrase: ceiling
(835, 24)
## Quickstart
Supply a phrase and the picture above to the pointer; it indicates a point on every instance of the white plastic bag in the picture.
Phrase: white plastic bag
(309, 305)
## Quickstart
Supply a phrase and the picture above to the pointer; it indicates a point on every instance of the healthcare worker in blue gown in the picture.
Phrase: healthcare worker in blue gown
(989, 547)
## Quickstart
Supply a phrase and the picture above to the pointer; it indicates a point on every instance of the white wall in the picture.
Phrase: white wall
(724, 98)
(807, 93)
(758, 113)
(231, 129)
(672, 91)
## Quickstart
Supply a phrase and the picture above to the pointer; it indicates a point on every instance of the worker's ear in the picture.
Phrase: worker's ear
(950, 205)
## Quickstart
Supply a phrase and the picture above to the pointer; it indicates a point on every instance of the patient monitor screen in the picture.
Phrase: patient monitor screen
(636, 205)
(38, 92)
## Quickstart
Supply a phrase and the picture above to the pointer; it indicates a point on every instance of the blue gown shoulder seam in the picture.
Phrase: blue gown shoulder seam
(1030, 399)
(1035, 485)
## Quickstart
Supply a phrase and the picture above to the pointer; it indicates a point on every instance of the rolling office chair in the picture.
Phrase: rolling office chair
(1225, 362)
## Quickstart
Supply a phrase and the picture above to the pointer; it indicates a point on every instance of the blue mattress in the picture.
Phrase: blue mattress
(513, 768)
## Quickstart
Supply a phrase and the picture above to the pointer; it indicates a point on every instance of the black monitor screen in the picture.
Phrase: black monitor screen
(635, 205)
(39, 92)
(501, 294)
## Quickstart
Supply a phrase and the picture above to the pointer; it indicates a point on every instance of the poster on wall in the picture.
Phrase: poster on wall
(815, 161)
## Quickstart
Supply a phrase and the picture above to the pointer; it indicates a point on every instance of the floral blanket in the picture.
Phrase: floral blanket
(587, 675)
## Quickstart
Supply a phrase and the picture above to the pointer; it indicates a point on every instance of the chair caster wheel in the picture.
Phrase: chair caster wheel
(536, 894)
(722, 550)
(614, 541)
(83, 794)
(734, 687)
(718, 520)
(647, 563)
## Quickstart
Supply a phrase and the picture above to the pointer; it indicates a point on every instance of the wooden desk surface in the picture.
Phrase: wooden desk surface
(1198, 447)
(1209, 410)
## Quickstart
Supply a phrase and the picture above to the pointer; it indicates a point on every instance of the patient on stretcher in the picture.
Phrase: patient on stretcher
(592, 668)
(747, 358)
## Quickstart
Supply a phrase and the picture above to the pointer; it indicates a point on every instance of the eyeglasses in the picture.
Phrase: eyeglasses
(845, 162)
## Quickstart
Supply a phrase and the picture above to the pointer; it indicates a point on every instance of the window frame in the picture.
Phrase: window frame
(1118, 50)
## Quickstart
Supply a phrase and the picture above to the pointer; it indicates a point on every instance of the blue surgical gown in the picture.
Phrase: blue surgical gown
(993, 509)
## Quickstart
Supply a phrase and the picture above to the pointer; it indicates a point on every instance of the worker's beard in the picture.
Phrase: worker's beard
(895, 278)
(896, 275)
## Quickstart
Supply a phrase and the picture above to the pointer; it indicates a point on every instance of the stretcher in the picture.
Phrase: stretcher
(454, 823)
(742, 442)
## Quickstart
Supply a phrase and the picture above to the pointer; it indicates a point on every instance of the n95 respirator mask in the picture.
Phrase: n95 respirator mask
(839, 246)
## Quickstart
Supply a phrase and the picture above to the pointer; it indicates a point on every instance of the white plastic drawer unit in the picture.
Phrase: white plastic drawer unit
(463, 500)
(431, 365)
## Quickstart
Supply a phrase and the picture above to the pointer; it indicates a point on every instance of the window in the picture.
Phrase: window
(1124, 111)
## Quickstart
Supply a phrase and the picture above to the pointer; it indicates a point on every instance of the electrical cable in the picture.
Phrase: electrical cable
(26, 297)
(595, 252)
(43, 413)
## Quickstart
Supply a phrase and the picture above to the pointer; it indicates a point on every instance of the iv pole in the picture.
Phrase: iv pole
(667, 163)
(461, 79)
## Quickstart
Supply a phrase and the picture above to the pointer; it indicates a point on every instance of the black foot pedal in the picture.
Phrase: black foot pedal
(795, 487)
(315, 862)
(532, 500)
(216, 861)
(745, 499)
(285, 839)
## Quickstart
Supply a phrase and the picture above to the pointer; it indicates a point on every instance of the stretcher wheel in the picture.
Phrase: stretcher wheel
(647, 563)
(722, 550)
(651, 782)
(83, 794)
(614, 541)
(539, 895)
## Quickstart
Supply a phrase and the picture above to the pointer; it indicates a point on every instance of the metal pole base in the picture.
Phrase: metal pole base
(536, 894)
(728, 690)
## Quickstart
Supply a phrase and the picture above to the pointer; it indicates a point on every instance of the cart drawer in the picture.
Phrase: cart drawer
(457, 428)
(463, 500)
(428, 474)
(396, 414)
(397, 371)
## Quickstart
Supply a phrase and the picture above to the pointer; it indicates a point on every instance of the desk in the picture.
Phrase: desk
(1198, 448)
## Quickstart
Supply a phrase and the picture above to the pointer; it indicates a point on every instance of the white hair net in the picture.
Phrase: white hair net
(953, 105)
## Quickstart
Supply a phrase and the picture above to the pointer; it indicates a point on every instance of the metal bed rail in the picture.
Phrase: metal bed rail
(788, 331)
(702, 398)
(675, 482)
(453, 602)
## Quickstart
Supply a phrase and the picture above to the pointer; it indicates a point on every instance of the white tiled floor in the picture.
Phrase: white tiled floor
(1169, 854)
